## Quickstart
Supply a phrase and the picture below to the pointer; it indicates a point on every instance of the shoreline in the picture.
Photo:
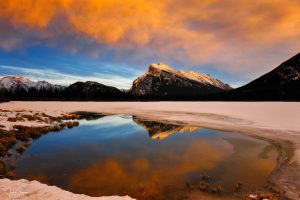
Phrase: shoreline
(286, 176)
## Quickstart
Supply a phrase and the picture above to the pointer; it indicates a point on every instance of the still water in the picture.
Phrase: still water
(118, 155)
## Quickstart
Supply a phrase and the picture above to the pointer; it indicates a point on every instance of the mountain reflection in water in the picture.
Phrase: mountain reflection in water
(113, 155)
(159, 130)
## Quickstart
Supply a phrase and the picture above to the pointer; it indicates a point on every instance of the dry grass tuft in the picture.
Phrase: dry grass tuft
(15, 119)
(70, 116)
(32, 117)
(9, 175)
(2, 167)
(21, 148)
(71, 124)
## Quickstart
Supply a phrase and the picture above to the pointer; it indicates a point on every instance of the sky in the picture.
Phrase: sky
(114, 41)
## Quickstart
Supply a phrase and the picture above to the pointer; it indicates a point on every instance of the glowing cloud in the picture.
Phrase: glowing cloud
(238, 36)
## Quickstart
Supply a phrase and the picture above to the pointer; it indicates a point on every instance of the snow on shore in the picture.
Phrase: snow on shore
(272, 115)
(29, 190)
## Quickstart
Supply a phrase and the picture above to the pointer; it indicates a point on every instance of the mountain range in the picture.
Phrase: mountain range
(15, 83)
(21, 88)
(161, 82)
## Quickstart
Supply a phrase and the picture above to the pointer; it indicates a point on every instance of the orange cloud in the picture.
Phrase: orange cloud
(33, 13)
(193, 32)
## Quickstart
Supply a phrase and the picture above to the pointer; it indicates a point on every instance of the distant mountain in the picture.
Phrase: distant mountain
(17, 83)
(161, 81)
(282, 83)
(44, 85)
(21, 88)
(92, 91)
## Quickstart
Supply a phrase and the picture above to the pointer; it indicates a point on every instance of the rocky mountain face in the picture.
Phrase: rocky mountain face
(161, 81)
(92, 91)
(282, 83)
(17, 83)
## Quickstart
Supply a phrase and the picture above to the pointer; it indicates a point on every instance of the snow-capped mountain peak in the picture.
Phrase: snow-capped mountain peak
(164, 82)
(13, 83)
(47, 86)
(205, 79)
(160, 66)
